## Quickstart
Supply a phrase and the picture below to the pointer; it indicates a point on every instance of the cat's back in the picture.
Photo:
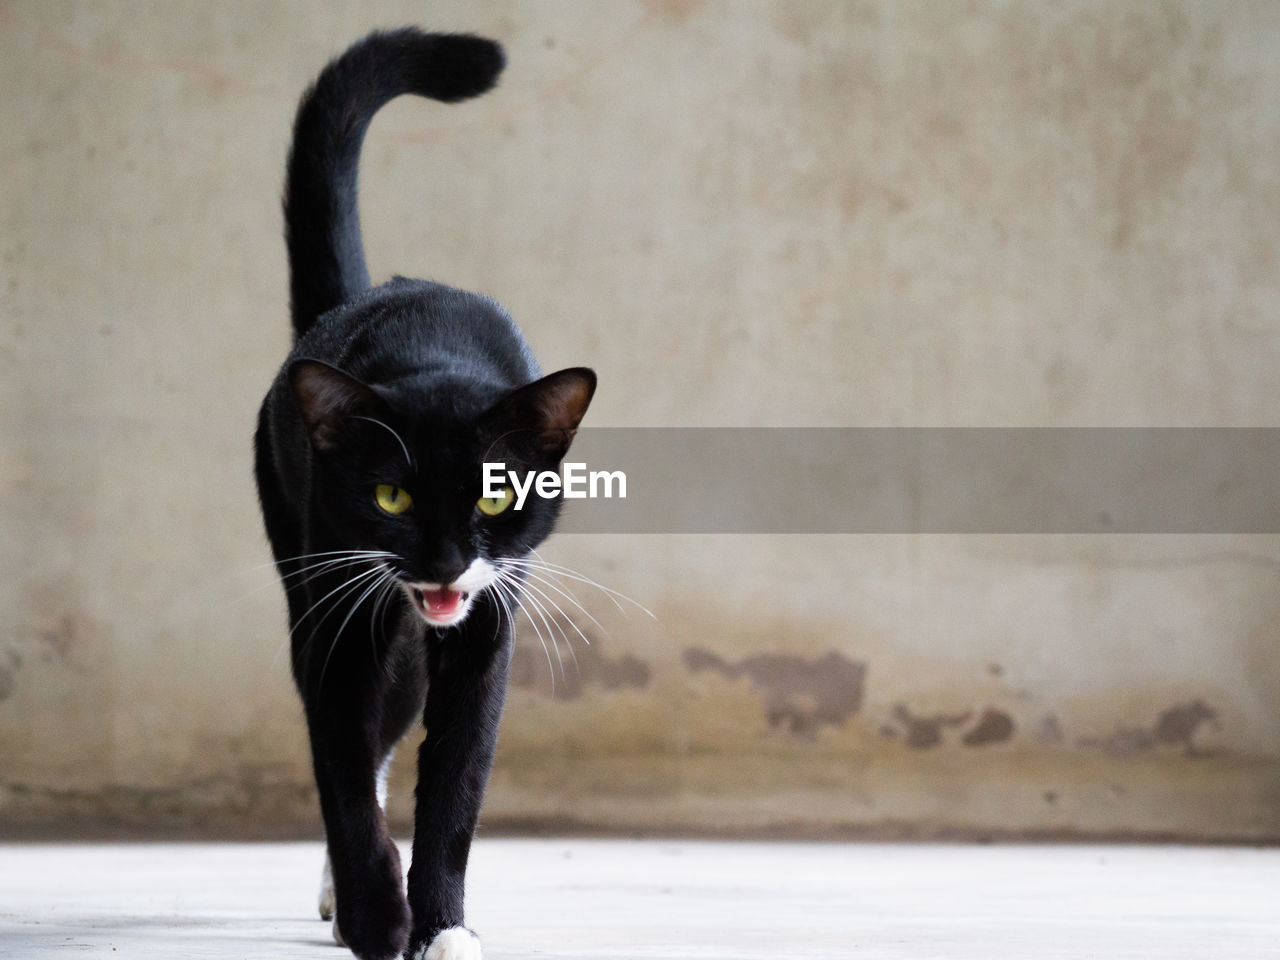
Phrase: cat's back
(411, 328)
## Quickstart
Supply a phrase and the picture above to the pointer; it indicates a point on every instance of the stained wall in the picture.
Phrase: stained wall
(829, 213)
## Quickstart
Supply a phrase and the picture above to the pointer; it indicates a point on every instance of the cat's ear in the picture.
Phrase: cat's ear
(547, 411)
(326, 397)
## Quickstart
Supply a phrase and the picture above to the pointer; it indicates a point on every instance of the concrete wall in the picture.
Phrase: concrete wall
(825, 213)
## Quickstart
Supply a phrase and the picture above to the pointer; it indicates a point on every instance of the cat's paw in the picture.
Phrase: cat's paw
(455, 943)
(373, 932)
(327, 902)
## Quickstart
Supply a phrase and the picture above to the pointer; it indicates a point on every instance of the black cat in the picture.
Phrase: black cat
(400, 575)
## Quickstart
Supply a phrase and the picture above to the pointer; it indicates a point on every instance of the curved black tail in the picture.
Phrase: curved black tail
(322, 221)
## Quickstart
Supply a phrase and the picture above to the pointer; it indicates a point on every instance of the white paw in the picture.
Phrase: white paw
(456, 943)
(337, 934)
(328, 906)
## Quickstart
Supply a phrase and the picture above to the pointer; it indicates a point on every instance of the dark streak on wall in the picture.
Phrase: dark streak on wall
(1175, 727)
(799, 695)
(994, 726)
(923, 733)
(575, 666)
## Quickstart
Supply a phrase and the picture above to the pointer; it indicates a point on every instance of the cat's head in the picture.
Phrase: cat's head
(401, 474)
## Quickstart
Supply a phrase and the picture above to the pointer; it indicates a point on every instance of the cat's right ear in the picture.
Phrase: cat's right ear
(547, 411)
(326, 398)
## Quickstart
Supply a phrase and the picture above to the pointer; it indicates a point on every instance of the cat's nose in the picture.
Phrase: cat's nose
(445, 567)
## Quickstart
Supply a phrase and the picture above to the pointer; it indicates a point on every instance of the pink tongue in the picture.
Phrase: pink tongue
(443, 602)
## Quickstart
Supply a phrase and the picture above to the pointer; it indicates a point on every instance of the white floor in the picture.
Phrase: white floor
(609, 900)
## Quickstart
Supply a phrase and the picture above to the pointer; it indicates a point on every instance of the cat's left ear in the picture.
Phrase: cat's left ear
(326, 397)
(546, 411)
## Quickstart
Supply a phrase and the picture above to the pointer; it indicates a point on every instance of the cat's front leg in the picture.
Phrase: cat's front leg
(327, 902)
(372, 915)
(468, 674)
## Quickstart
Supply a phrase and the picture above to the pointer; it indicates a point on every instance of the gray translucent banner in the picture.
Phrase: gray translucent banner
(931, 480)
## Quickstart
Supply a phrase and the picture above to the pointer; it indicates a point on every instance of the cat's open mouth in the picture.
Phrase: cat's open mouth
(440, 606)
(447, 604)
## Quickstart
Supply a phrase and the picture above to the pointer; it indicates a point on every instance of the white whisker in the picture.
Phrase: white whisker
(502, 605)
(340, 558)
(321, 553)
(563, 616)
(515, 596)
(305, 645)
(378, 582)
(556, 569)
(320, 568)
(528, 572)
(542, 612)
(350, 587)
(312, 608)
(389, 586)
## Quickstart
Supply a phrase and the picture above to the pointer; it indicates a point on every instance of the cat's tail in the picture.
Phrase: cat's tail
(322, 222)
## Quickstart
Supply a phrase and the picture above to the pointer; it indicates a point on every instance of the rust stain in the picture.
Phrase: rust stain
(994, 726)
(800, 696)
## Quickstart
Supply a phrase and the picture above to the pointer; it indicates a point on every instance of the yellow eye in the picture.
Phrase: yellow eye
(492, 506)
(392, 500)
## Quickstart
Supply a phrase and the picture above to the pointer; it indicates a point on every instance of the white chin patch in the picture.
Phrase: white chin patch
(456, 943)
(447, 605)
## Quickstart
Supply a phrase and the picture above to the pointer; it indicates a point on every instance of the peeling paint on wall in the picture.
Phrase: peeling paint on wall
(799, 695)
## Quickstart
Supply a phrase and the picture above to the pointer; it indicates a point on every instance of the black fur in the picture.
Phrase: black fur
(411, 384)
(322, 224)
